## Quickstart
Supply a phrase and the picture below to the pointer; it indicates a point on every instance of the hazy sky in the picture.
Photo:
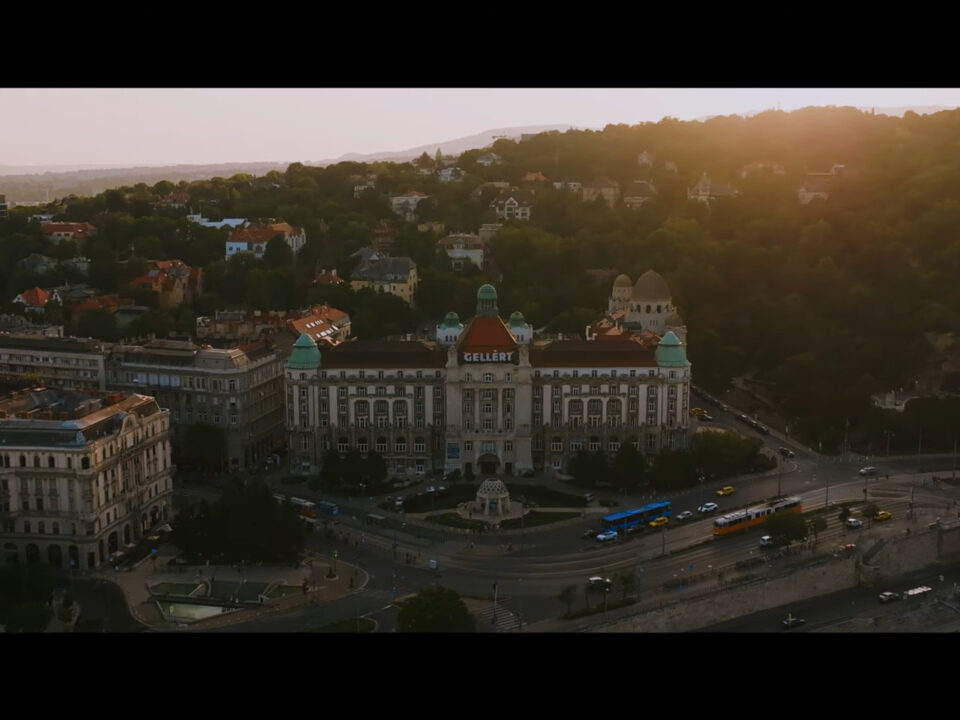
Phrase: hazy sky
(169, 126)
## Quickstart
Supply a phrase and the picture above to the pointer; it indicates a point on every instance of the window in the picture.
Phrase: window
(468, 445)
(468, 377)
(343, 445)
(40, 528)
(488, 377)
(51, 462)
(26, 527)
(488, 425)
(56, 528)
(381, 445)
(508, 445)
(556, 444)
(362, 445)
(419, 445)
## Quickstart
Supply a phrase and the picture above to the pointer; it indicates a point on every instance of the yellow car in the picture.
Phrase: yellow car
(882, 515)
(698, 411)
(657, 522)
(725, 490)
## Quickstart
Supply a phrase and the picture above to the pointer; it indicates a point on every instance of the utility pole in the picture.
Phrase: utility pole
(953, 474)
(780, 476)
(846, 427)
(919, 444)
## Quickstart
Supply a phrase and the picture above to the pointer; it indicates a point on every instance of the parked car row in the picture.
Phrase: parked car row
(700, 392)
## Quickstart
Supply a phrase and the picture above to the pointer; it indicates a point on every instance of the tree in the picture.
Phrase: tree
(589, 468)
(205, 446)
(844, 513)
(869, 510)
(787, 527)
(375, 467)
(566, 596)
(330, 470)
(817, 525)
(277, 253)
(626, 581)
(435, 610)
(100, 324)
(628, 467)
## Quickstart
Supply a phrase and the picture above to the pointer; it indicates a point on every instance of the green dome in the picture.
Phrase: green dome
(670, 352)
(487, 301)
(451, 320)
(517, 319)
(305, 354)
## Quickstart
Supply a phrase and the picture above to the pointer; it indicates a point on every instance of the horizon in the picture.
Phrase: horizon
(103, 128)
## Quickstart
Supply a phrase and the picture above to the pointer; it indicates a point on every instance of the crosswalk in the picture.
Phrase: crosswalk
(503, 621)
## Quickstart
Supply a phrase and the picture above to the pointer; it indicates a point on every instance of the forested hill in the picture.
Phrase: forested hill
(827, 301)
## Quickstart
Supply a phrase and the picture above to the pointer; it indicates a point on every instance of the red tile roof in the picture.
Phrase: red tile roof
(486, 334)
(77, 228)
(257, 233)
(35, 297)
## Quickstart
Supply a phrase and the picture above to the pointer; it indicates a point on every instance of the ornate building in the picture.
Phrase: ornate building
(82, 474)
(646, 305)
(486, 396)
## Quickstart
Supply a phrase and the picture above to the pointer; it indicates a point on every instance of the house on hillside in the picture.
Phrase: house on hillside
(488, 159)
(637, 193)
(406, 205)
(512, 205)
(254, 238)
(704, 191)
(382, 274)
(35, 299)
(462, 248)
(602, 187)
(60, 231)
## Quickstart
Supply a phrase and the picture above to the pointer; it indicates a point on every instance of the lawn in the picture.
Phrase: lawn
(454, 520)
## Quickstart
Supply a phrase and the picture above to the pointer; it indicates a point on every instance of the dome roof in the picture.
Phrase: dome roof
(487, 292)
(517, 319)
(492, 487)
(670, 352)
(451, 320)
(673, 320)
(622, 280)
(651, 286)
(305, 354)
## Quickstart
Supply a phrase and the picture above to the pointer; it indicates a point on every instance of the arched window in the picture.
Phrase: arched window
(362, 409)
(343, 444)
(23, 461)
(658, 309)
(400, 445)
(614, 409)
(85, 462)
(70, 463)
(399, 409)
(595, 412)
(648, 308)
(36, 461)
(51, 462)
(381, 444)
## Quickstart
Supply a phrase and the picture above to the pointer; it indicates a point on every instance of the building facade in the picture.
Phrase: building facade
(55, 362)
(82, 475)
(384, 274)
(485, 397)
(239, 390)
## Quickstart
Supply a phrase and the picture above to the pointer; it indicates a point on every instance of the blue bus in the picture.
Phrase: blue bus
(327, 508)
(624, 519)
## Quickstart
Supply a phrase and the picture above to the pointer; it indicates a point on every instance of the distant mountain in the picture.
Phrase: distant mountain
(449, 147)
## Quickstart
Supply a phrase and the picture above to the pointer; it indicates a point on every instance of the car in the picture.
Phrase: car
(441, 488)
(398, 502)
(767, 541)
(791, 622)
(607, 536)
(590, 534)
(705, 418)
(431, 489)
(786, 452)
(723, 407)
(179, 560)
(599, 583)
(848, 548)
(762, 429)
(659, 522)
(725, 490)
(685, 515)
(743, 418)
(854, 523)
(698, 411)
(869, 470)
(888, 596)
(882, 515)
(707, 507)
